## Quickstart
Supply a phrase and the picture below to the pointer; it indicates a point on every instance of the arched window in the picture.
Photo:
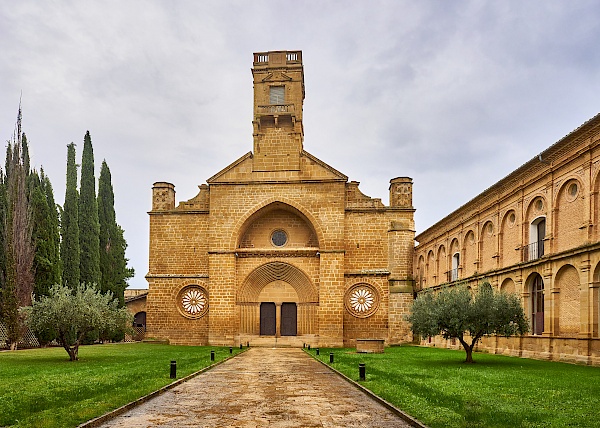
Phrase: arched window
(537, 305)
(421, 272)
(455, 265)
(442, 265)
(537, 234)
(139, 319)
(431, 272)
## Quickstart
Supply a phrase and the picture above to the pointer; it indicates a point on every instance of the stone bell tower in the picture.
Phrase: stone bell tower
(278, 98)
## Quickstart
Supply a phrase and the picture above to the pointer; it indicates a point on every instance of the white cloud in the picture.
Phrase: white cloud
(454, 94)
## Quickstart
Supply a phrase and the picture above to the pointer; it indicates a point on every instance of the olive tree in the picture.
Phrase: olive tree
(68, 315)
(460, 313)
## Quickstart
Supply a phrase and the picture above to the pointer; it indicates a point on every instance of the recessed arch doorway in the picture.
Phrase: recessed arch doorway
(277, 299)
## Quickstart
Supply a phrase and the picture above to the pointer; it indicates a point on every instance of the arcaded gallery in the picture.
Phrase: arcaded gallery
(536, 233)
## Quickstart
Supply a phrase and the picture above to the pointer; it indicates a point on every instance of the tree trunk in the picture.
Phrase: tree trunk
(73, 353)
(13, 346)
(468, 349)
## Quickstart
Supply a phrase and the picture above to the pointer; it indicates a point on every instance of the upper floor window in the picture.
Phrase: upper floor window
(537, 234)
(276, 95)
(455, 264)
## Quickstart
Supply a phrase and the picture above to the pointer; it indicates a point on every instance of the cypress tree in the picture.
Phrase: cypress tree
(113, 263)
(69, 246)
(45, 235)
(89, 227)
(53, 222)
(25, 155)
(2, 235)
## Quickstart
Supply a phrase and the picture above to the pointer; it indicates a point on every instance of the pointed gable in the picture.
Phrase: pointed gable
(311, 169)
(240, 170)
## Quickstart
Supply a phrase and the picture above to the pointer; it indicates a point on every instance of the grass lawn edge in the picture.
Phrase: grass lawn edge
(408, 418)
(92, 423)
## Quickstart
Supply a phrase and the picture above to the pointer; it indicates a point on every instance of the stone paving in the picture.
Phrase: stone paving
(274, 387)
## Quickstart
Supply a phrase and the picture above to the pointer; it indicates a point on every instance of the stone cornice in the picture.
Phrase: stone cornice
(176, 275)
(277, 252)
(176, 211)
(283, 181)
(380, 209)
(368, 272)
(270, 253)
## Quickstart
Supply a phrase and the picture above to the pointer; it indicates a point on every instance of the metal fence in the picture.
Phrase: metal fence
(28, 341)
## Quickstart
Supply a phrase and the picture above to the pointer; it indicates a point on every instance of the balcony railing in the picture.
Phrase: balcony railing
(262, 58)
(275, 109)
(453, 275)
(533, 251)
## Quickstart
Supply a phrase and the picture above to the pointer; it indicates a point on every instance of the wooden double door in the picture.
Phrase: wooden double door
(287, 319)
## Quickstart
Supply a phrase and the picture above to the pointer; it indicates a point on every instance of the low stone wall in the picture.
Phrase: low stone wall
(370, 346)
(564, 349)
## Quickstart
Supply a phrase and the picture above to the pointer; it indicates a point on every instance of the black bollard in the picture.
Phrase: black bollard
(240, 346)
(173, 369)
(230, 350)
(212, 355)
(317, 351)
(330, 357)
(309, 347)
(361, 371)
(247, 344)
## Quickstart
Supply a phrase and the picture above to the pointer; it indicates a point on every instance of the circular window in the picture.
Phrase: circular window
(539, 204)
(279, 238)
(512, 218)
(193, 301)
(572, 191)
(362, 300)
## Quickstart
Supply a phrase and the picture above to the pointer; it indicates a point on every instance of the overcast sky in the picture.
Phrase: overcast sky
(455, 94)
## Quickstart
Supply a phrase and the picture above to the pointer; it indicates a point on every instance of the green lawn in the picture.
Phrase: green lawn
(436, 387)
(41, 388)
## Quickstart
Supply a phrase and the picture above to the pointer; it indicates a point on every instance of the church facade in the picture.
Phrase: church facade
(279, 247)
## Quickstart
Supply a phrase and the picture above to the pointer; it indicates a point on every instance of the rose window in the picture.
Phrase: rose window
(362, 300)
(193, 301)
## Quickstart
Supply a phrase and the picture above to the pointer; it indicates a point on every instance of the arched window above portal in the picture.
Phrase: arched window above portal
(278, 226)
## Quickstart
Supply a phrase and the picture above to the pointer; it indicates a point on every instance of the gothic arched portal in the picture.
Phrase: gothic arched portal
(285, 288)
